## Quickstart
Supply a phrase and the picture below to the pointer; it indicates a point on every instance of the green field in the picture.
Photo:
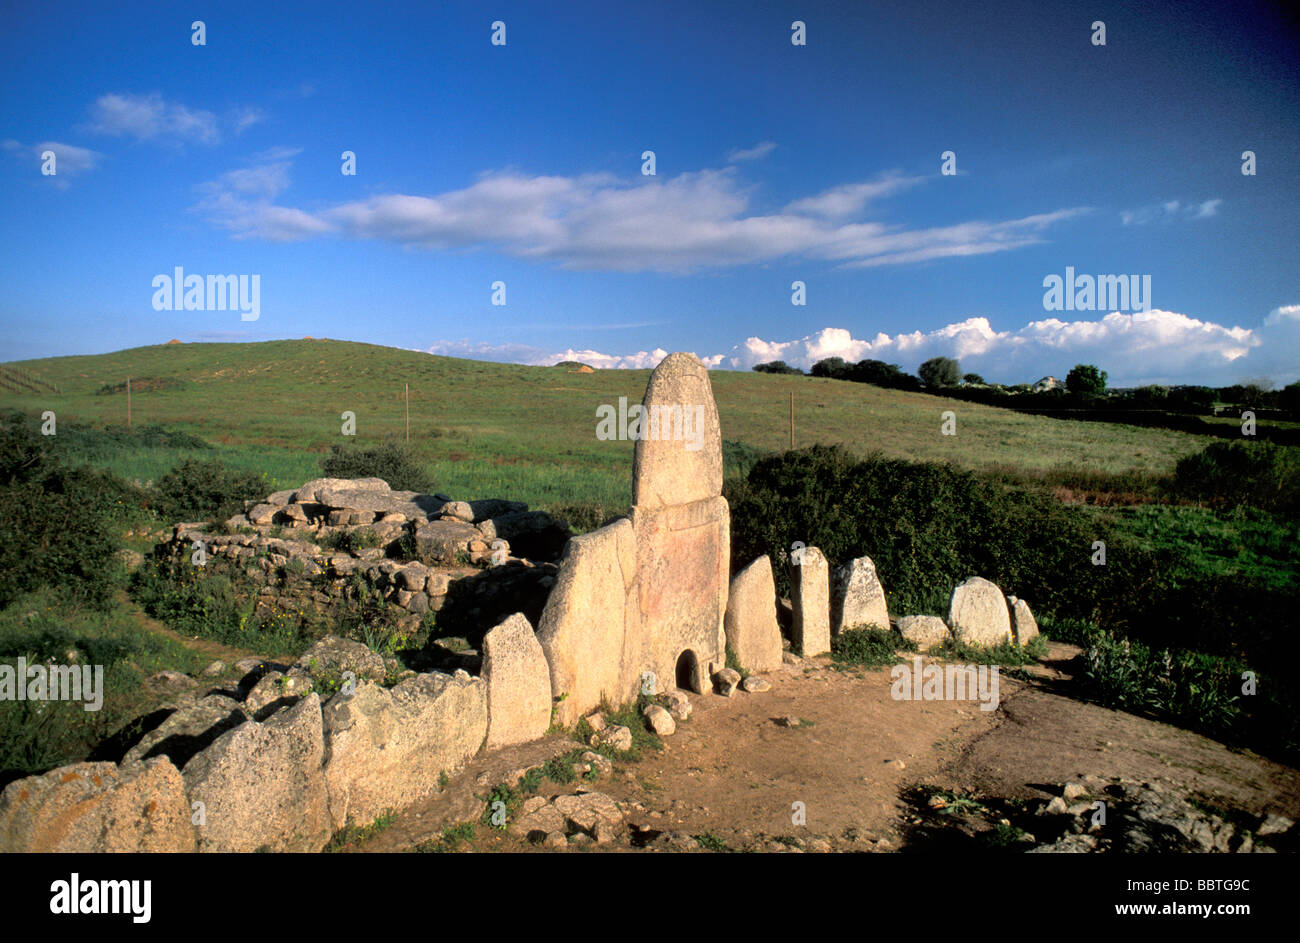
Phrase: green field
(528, 433)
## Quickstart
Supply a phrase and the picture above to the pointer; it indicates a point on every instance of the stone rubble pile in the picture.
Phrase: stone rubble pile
(327, 546)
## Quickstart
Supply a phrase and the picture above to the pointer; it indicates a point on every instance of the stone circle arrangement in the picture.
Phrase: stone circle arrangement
(643, 604)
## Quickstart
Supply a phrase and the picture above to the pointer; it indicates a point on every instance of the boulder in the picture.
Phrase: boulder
(755, 685)
(458, 510)
(168, 683)
(188, 730)
(262, 785)
(978, 613)
(925, 631)
(753, 634)
(679, 704)
(614, 736)
(659, 720)
(333, 655)
(444, 541)
(90, 808)
(275, 690)
(263, 514)
(388, 748)
(537, 819)
(728, 679)
(309, 492)
(810, 599)
(1023, 624)
(594, 813)
(411, 505)
(857, 598)
(518, 683)
(412, 577)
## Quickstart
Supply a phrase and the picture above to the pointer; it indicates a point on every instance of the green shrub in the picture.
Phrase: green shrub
(871, 647)
(208, 603)
(58, 526)
(1259, 474)
(350, 541)
(1192, 688)
(206, 491)
(36, 736)
(392, 461)
(927, 527)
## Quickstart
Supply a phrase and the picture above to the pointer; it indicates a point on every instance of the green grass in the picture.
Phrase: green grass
(350, 835)
(710, 842)
(449, 840)
(35, 736)
(1007, 653)
(274, 407)
(868, 647)
(1252, 545)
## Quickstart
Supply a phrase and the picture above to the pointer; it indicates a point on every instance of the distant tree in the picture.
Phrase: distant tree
(974, 378)
(1085, 378)
(1289, 397)
(940, 372)
(879, 373)
(1151, 396)
(833, 367)
(1198, 400)
(777, 366)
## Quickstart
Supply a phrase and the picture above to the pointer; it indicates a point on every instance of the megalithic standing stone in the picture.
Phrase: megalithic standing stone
(638, 605)
(810, 597)
(683, 527)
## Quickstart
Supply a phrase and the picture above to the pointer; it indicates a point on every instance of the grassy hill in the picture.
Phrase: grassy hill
(491, 429)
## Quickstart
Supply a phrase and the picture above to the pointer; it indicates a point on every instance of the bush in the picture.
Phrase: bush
(58, 526)
(350, 541)
(392, 461)
(871, 647)
(1260, 474)
(207, 491)
(927, 527)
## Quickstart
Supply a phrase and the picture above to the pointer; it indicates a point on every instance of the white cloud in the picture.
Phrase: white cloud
(245, 118)
(693, 221)
(1170, 211)
(757, 152)
(150, 117)
(850, 199)
(1143, 347)
(68, 158)
(240, 200)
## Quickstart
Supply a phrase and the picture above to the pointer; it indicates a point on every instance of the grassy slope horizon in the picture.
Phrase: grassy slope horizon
(506, 430)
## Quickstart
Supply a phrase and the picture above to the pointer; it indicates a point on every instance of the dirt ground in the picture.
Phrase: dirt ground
(859, 759)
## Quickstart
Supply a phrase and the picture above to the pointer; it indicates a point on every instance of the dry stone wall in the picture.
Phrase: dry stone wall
(329, 549)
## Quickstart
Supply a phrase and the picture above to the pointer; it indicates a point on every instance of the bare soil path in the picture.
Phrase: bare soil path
(735, 773)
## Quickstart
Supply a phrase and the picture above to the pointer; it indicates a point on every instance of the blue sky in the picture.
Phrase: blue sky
(522, 163)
